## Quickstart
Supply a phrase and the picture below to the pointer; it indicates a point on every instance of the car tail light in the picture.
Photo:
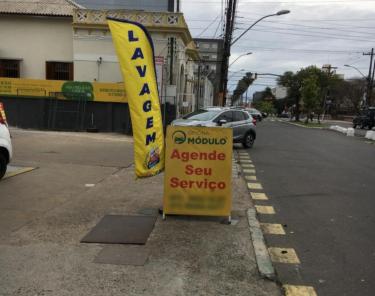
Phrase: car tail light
(254, 121)
(3, 119)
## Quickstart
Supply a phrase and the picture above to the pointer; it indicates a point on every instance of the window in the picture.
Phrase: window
(59, 71)
(213, 67)
(206, 58)
(214, 56)
(206, 45)
(226, 115)
(10, 68)
(238, 116)
(214, 45)
(201, 115)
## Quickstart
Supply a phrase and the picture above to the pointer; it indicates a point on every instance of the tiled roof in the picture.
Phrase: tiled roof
(39, 7)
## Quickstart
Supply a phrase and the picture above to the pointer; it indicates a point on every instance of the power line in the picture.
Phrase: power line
(290, 2)
(315, 36)
(208, 26)
(313, 51)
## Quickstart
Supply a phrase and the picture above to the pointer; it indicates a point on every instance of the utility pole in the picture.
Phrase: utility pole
(229, 24)
(327, 95)
(370, 77)
(198, 88)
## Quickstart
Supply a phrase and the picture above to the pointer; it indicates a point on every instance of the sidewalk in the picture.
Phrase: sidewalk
(187, 255)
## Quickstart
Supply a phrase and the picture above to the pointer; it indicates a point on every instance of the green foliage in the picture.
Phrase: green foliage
(267, 94)
(265, 106)
(308, 86)
(310, 93)
(242, 86)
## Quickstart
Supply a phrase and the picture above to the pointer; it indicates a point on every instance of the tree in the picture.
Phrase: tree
(242, 86)
(349, 94)
(291, 81)
(265, 106)
(267, 94)
(310, 93)
(294, 82)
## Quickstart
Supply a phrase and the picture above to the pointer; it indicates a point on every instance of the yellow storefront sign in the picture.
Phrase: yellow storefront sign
(198, 171)
(38, 88)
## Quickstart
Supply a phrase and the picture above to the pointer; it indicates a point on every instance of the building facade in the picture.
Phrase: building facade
(145, 5)
(211, 53)
(61, 40)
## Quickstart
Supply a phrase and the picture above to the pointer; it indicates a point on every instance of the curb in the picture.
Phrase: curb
(299, 125)
(262, 256)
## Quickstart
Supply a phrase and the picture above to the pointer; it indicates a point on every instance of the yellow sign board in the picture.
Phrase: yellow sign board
(92, 91)
(198, 171)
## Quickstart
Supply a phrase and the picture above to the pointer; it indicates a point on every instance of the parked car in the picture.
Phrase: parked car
(5, 143)
(241, 122)
(255, 113)
(365, 119)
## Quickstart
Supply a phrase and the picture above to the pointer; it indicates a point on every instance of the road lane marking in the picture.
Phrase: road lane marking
(283, 255)
(258, 196)
(291, 290)
(267, 210)
(248, 171)
(272, 228)
(254, 186)
(250, 178)
(245, 161)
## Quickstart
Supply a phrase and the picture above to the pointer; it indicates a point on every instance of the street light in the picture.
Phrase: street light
(356, 69)
(242, 55)
(281, 12)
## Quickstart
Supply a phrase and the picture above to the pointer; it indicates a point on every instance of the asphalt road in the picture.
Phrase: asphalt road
(64, 163)
(322, 186)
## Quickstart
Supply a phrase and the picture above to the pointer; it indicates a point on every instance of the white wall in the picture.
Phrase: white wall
(35, 40)
(89, 46)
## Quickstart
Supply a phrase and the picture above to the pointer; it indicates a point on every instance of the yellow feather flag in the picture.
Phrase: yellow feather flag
(135, 52)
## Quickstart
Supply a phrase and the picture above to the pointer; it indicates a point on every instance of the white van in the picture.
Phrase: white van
(5, 143)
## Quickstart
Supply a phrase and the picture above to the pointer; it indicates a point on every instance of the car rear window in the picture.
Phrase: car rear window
(238, 116)
(201, 115)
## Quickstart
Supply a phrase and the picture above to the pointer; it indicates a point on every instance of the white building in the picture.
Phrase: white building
(61, 40)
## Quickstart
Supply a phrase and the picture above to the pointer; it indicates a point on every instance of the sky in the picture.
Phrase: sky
(315, 32)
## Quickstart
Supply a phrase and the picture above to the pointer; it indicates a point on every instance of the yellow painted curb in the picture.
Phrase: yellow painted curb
(247, 171)
(250, 178)
(258, 196)
(291, 290)
(18, 172)
(271, 228)
(267, 210)
(254, 186)
(247, 165)
(284, 255)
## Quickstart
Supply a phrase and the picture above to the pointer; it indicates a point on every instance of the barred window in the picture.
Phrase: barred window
(59, 71)
(9, 68)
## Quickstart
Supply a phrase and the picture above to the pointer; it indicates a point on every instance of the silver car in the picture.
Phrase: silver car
(240, 121)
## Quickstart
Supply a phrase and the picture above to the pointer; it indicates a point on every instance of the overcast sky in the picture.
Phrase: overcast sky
(316, 32)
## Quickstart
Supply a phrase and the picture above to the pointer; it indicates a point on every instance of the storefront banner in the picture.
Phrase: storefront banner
(135, 53)
(198, 171)
(70, 90)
